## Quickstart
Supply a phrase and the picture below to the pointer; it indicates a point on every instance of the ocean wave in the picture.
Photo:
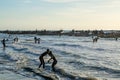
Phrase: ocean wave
(99, 49)
(18, 49)
(58, 74)
(86, 41)
(72, 75)
(24, 50)
(106, 69)
(68, 45)
(6, 57)
(76, 63)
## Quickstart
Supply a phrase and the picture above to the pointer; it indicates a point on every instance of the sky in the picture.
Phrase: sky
(59, 14)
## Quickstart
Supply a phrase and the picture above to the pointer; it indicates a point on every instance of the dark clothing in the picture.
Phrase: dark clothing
(42, 60)
(38, 40)
(43, 54)
(35, 38)
(52, 57)
(3, 42)
(54, 60)
(53, 65)
(16, 39)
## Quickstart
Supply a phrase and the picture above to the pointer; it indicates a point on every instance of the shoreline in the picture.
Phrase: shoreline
(77, 33)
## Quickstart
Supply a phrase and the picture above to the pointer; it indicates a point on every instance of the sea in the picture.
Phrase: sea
(75, 56)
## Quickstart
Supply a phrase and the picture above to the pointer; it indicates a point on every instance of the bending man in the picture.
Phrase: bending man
(41, 58)
(54, 60)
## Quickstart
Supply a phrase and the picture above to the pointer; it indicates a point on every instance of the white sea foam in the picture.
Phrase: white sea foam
(76, 55)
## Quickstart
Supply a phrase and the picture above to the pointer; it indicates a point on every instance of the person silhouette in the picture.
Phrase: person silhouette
(38, 40)
(42, 59)
(116, 38)
(95, 39)
(54, 60)
(3, 42)
(35, 39)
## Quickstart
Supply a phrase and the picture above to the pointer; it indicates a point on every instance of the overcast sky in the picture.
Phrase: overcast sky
(59, 14)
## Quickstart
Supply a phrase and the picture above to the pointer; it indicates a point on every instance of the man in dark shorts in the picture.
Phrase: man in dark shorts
(3, 42)
(41, 58)
(52, 57)
(54, 60)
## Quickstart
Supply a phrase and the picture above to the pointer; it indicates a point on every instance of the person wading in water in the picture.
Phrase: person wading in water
(52, 57)
(42, 62)
(3, 42)
(54, 60)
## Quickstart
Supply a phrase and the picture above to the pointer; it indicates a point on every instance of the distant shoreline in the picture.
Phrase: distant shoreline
(99, 33)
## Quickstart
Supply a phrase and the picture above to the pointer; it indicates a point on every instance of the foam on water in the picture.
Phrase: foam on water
(75, 55)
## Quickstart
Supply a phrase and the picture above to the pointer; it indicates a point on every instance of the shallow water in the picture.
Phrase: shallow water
(77, 55)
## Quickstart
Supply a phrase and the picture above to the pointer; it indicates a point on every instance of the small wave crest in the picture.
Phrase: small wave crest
(18, 49)
(77, 64)
(71, 75)
(100, 49)
(106, 69)
(68, 45)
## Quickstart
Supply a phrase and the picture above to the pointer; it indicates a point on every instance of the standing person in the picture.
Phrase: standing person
(116, 38)
(54, 60)
(35, 39)
(42, 59)
(38, 40)
(95, 39)
(3, 42)
(15, 39)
